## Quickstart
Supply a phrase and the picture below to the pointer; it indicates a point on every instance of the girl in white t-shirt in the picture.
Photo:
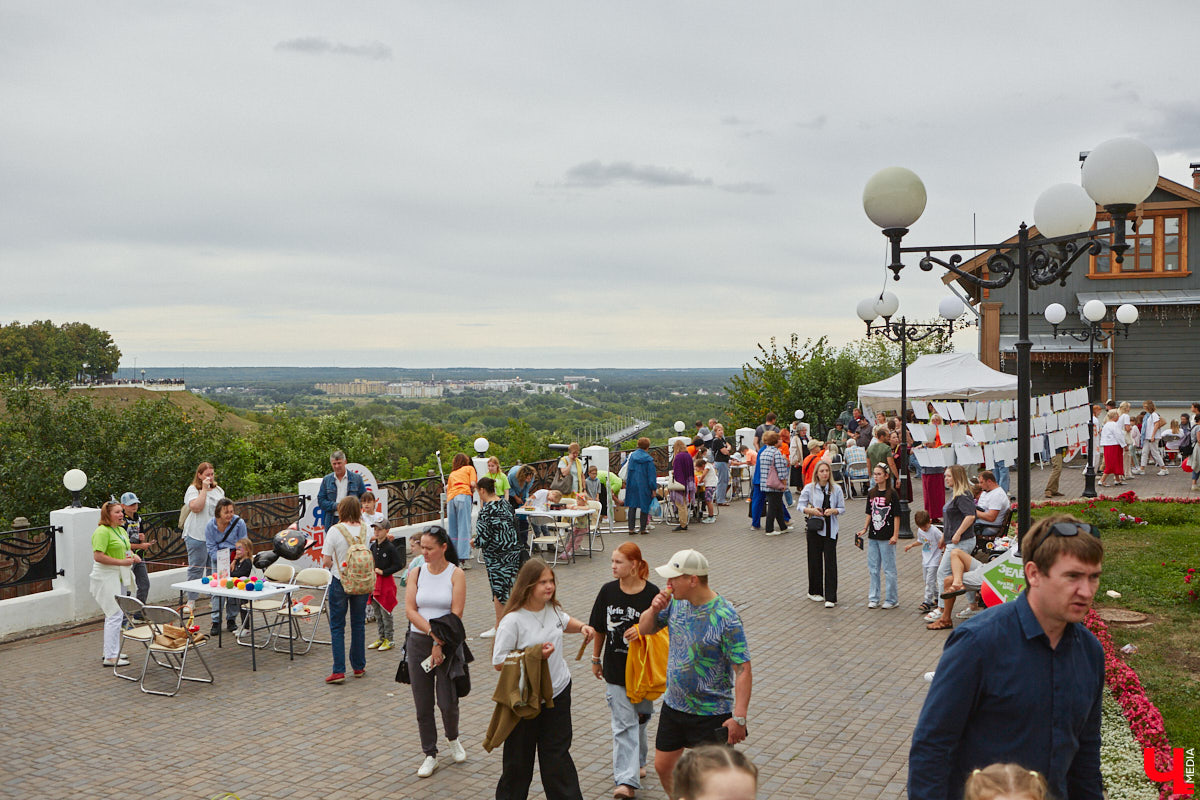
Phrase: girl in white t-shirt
(533, 616)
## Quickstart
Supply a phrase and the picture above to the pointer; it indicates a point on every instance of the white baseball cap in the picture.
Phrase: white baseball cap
(685, 562)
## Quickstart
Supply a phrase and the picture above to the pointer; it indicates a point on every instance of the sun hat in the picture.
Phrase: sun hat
(685, 562)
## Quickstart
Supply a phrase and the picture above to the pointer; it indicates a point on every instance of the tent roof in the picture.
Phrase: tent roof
(943, 376)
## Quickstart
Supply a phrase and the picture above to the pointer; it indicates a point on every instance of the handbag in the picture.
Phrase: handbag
(560, 481)
(402, 668)
(675, 486)
(815, 524)
(773, 481)
(184, 513)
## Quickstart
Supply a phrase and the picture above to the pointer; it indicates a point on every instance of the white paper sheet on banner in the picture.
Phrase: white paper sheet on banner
(958, 435)
(1072, 436)
(1038, 425)
(917, 432)
(956, 411)
(1060, 401)
(920, 409)
(1082, 430)
(1006, 410)
(1058, 440)
(979, 433)
(941, 410)
(968, 455)
(988, 461)
(970, 411)
(1079, 397)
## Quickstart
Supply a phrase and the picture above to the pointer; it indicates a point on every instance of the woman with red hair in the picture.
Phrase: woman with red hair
(616, 612)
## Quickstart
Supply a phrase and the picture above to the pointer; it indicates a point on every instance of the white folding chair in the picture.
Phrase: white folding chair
(277, 573)
(133, 630)
(177, 655)
(316, 579)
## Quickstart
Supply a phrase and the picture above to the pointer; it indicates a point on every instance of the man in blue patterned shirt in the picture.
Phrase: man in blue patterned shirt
(708, 663)
(1022, 681)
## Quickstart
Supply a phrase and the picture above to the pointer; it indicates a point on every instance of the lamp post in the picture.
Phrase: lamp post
(73, 481)
(1092, 314)
(1117, 175)
(886, 305)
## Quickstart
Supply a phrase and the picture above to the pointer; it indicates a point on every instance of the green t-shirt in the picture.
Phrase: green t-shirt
(501, 482)
(111, 541)
(878, 453)
(611, 478)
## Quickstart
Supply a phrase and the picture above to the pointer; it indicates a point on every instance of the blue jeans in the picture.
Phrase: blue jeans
(722, 481)
(1001, 470)
(458, 521)
(879, 550)
(629, 737)
(338, 600)
(197, 552)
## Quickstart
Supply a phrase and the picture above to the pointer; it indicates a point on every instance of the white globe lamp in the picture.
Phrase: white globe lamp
(866, 310)
(1064, 209)
(1127, 314)
(1120, 172)
(74, 480)
(481, 445)
(950, 308)
(679, 426)
(887, 304)
(1094, 310)
(1055, 313)
(894, 197)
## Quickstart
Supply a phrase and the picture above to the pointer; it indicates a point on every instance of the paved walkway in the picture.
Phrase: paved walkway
(836, 694)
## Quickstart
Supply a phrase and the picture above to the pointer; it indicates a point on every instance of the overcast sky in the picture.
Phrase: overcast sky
(539, 184)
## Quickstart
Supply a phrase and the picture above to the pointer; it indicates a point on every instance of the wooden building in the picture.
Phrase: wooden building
(1160, 275)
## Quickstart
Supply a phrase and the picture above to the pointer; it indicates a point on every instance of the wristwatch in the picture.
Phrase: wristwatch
(740, 721)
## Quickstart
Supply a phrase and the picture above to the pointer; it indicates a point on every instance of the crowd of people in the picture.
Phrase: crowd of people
(708, 678)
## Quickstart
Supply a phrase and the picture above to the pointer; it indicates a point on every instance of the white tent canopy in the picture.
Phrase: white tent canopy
(944, 376)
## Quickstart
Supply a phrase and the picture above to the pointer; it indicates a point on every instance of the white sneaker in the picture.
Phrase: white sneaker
(889, 604)
(775, 532)
(830, 604)
(466, 564)
(427, 768)
(932, 616)
(966, 613)
(873, 604)
(1137, 471)
(456, 750)
(490, 633)
(1162, 472)
(816, 598)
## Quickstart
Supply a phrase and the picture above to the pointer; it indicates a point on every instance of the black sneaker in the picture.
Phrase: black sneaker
(231, 624)
(215, 630)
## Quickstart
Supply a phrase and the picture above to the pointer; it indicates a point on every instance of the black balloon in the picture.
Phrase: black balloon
(289, 544)
(265, 559)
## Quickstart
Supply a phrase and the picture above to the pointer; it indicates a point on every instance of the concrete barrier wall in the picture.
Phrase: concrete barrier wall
(70, 599)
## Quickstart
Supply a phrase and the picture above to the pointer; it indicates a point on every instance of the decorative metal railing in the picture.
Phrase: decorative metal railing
(265, 515)
(415, 501)
(27, 559)
(28, 562)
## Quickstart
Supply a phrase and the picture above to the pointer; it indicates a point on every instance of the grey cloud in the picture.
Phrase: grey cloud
(1172, 129)
(815, 124)
(732, 120)
(597, 175)
(594, 174)
(318, 45)
(747, 187)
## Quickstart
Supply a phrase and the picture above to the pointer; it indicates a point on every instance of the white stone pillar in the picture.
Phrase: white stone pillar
(74, 552)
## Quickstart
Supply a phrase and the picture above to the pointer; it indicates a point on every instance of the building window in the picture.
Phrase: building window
(1157, 247)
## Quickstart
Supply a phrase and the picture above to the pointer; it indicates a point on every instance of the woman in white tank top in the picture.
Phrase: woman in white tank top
(436, 588)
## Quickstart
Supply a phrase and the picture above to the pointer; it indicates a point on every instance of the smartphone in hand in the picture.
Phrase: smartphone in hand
(427, 664)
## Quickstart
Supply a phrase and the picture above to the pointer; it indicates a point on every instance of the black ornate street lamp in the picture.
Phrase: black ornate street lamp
(886, 305)
(1117, 175)
(1093, 313)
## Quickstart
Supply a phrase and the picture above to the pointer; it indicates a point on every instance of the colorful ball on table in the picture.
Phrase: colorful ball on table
(258, 587)
(229, 583)
(204, 579)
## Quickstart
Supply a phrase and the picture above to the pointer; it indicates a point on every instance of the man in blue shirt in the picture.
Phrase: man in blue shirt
(336, 485)
(1022, 682)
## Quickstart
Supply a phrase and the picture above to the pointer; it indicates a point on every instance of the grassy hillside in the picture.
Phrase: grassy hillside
(190, 403)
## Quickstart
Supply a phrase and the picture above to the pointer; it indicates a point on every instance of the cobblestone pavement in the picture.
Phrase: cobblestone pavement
(836, 694)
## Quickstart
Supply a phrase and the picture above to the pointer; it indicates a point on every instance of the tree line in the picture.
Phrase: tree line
(44, 353)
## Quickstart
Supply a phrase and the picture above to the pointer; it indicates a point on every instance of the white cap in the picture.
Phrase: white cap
(685, 562)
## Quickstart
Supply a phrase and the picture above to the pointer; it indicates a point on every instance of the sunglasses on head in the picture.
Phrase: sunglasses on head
(1063, 529)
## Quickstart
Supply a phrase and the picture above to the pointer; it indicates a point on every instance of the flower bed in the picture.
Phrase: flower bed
(1121, 757)
(1145, 721)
